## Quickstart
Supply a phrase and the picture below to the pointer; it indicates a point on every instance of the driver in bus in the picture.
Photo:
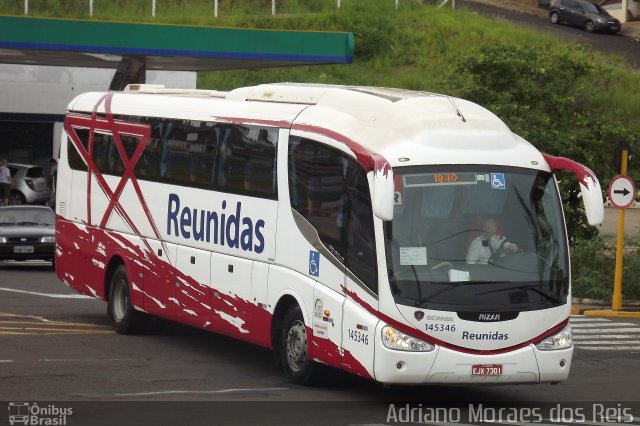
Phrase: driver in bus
(490, 244)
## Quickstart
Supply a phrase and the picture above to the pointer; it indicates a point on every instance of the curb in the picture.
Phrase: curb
(611, 313)
(602, 303)
(594, 311)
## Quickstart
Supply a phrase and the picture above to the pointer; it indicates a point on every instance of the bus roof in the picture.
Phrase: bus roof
(403, 126)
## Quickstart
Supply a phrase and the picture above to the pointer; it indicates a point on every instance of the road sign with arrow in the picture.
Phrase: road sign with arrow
(622, 191)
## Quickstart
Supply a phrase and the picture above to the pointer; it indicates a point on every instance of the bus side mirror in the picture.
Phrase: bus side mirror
(382, 194)
(589, 186)
(592, 199)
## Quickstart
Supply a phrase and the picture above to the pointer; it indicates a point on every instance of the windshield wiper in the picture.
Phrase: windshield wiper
(421, 303)
(545, 295)
(528, 287)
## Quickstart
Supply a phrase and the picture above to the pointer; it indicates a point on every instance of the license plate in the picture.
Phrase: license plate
(486, 369)
(614, 27)
(23, 249)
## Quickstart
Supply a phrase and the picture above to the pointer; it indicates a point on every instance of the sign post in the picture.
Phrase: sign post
(622, 193)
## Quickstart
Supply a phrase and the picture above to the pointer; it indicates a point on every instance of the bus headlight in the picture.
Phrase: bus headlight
(562, 340)
(48, 240)
(394, 339)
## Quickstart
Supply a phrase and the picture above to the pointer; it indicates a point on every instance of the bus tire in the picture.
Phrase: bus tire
(125, 319)
(294, 354)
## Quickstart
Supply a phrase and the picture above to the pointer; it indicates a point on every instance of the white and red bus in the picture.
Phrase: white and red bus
(332, 224)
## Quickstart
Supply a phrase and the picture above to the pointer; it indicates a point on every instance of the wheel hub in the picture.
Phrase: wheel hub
(296, 345)
(120, 301)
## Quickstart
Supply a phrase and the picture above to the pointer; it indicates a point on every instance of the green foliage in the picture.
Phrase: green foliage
(593, 268)
(547, 96)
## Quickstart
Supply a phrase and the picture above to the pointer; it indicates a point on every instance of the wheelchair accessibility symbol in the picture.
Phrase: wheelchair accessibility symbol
(497, 181)
(314, 263)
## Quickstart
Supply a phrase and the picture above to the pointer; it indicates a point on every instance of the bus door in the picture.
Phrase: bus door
(361, 279)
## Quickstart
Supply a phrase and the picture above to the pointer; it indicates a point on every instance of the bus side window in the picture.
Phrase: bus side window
(260, 168)
(100, 152)
(106, 155)
(231, 164)
(247, 161)
(203, 152)
(361, 251)
(318, 190)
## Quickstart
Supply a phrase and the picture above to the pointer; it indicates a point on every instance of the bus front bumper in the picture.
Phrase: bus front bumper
(444, 365)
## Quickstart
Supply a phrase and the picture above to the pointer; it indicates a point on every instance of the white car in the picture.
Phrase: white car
(29, 184)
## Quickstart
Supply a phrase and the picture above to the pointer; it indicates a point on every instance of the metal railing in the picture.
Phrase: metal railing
(215, 8)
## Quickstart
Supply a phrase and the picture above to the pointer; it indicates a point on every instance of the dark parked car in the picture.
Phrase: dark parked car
(29, 184)
(590, 16)
(26, 233)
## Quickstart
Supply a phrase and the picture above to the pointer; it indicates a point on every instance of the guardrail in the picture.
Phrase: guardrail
(215, 4)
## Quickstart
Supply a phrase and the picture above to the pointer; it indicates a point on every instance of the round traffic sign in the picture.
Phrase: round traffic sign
(622, 191)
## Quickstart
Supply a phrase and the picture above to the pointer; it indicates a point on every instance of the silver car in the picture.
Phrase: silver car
(29, 184)
(27, 233)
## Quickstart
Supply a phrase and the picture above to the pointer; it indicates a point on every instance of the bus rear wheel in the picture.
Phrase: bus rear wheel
(125, 319)
(294, 355)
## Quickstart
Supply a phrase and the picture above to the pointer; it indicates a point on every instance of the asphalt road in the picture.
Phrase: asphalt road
(607, 43)
(58, 348)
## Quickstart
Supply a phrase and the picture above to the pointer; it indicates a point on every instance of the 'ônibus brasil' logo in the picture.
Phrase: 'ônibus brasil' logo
(218, 227)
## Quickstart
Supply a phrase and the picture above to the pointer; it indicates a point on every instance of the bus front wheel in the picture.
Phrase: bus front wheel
(126, 320)
(295, 360)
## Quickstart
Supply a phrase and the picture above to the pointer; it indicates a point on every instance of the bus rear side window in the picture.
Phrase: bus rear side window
(201, 154)
(75, 160)
(105, 153)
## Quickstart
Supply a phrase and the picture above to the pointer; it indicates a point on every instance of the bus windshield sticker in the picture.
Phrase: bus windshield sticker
(314, 263)
(413, 256)
(320, 327)
(458, 276)
(498, 181)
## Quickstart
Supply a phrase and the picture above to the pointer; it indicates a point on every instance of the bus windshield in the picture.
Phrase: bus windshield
(469, 238)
